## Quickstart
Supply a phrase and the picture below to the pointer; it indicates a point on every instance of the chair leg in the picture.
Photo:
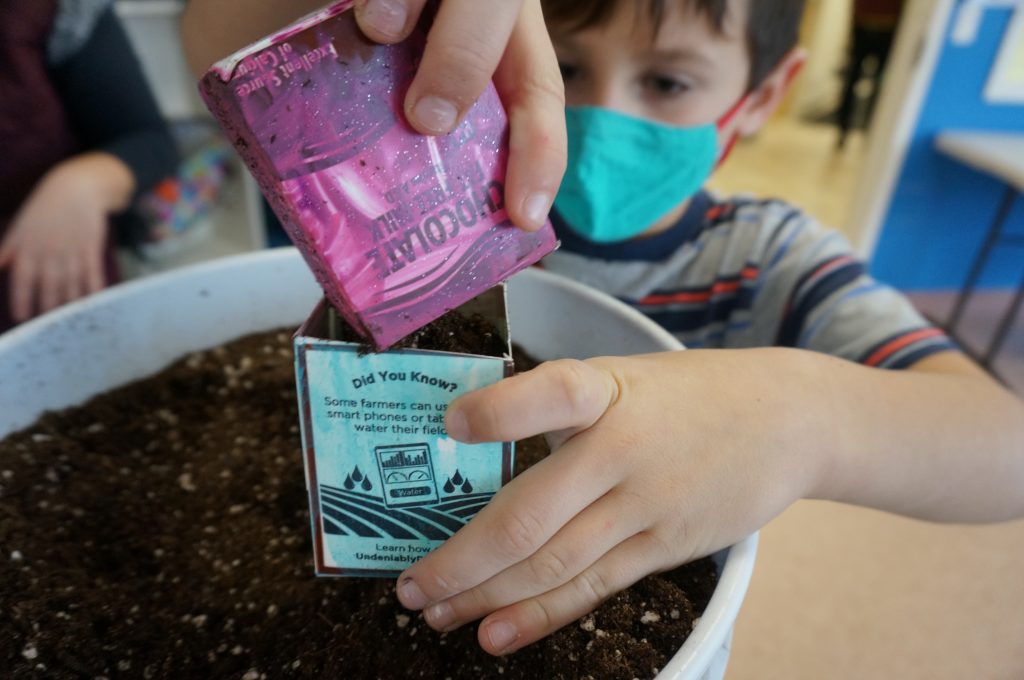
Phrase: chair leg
(979, 261)
(1004, 327)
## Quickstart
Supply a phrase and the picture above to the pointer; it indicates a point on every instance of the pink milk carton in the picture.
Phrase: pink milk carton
(397, 226)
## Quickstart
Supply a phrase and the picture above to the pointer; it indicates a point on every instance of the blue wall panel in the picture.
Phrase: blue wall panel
(941, 210)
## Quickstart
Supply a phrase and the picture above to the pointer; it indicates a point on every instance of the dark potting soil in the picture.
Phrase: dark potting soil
(452, 332)
(162, 531)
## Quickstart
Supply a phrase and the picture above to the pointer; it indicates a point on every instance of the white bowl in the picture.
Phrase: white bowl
(133, 330)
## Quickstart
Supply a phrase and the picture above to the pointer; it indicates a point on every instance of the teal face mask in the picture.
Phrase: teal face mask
(626, 173)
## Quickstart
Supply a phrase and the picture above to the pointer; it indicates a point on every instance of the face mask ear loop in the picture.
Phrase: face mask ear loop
(723, 122)
(731, 113)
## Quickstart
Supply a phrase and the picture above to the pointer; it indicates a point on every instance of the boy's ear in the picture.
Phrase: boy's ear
(765, 99)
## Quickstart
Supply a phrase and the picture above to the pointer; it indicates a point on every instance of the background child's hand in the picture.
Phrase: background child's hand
(657, 460)
(54, 247)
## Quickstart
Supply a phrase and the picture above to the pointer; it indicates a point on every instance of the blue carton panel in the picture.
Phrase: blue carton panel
(386, 483)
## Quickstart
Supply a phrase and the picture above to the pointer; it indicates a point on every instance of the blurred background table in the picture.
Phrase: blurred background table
(1002, 156)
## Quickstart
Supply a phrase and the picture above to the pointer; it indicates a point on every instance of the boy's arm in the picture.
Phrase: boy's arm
(470, 42)
(663, 458)
(944, 442)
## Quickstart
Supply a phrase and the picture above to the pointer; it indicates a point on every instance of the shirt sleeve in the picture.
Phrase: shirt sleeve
(111, 107)
(821, 297)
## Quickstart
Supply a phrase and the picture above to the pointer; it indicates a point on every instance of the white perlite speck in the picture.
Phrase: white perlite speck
(401, 620)
(588, 624)
(185, 481)
(251, 674)
(16, 556)
(30, 652)
(650, 617)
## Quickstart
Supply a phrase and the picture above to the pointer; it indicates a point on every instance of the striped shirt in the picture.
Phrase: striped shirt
(742, 273)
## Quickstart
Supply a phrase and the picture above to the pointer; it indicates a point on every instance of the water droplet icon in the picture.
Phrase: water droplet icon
(366, 484)
(348, 483)
(467, 487)
(457, 479)
(357, 476)
(448, 486)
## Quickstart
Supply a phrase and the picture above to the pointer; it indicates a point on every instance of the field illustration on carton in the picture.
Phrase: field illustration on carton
(404, 500)
(386, 482)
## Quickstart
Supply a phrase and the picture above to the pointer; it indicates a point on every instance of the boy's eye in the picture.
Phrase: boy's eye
(665, 85)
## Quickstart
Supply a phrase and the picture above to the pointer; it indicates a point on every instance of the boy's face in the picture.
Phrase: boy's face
(689, 73)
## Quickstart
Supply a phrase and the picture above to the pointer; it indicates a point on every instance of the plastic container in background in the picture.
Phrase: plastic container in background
(133, 330)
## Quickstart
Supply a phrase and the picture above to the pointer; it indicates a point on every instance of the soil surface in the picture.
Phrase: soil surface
(162, 531)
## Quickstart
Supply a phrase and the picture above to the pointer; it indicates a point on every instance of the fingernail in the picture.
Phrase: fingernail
(385, 16)
(536, 208)
(440, 615)
(502, 635)
(410, 595)
(436, 115)
(457, 425)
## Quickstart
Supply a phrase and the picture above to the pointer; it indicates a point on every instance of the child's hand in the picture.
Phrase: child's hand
(470, 41)
(54, 247)
(657, 460)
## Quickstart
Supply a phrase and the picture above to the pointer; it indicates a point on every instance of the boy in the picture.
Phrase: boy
(660, 459)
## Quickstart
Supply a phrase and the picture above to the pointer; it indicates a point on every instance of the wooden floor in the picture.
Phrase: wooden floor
(845, 593)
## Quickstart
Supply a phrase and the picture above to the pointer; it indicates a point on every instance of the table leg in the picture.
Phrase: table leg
(1005, 324)
(979, 261)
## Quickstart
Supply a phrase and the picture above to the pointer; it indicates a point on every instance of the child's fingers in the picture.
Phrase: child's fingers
(73, 283)
(465, 44)
(93, 274)
(556, 396)
(388, 21)
(23, 287)
(51, 284)
(520, 519)
(514, 627)
(608, 522)
(531, 88)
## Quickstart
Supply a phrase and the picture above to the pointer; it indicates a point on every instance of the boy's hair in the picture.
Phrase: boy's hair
(773, 26)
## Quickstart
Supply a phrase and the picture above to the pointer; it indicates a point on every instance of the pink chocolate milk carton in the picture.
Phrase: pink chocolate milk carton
(397, 226)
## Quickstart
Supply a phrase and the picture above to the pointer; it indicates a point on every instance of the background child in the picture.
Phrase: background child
(663, 458)
(82, 138)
